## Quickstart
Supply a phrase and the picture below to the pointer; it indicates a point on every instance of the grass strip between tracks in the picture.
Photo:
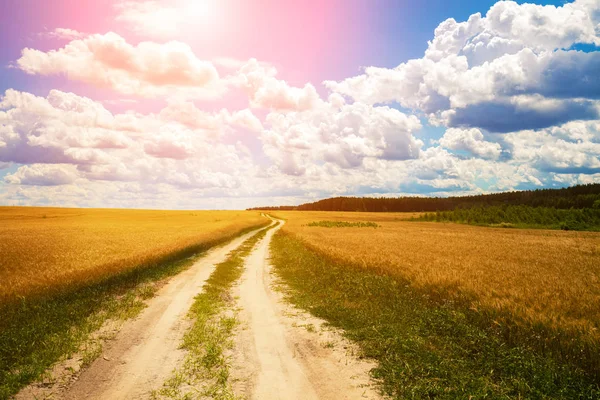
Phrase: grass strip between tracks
(424, 348)
(36, 333)
(205, 371)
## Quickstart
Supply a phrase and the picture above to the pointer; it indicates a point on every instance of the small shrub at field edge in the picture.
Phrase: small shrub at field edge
(343, 224)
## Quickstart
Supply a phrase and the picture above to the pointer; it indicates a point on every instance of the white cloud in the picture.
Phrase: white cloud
(65, 34)
(509, 27)
(242, 119)
(505, 85)
(470, 140)
(65, 129)
(147, 69)
(436, 167)
(43, 175)
(487, 64)
(186, 113)
(266, 91)
(149, 18)
(342, 134)
(572, 148)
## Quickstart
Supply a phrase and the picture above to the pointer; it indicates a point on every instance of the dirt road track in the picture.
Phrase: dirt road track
(280, 352)
(284, 353)
(146, 350)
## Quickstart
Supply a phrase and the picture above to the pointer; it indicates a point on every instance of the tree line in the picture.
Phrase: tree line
(576, 197)
(573, 219)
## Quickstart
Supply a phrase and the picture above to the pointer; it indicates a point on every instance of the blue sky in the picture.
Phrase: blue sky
(217, 104)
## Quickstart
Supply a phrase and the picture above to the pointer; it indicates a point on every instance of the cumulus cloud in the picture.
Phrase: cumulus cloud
(149, 18)
(521, 113)
(338, 133)
(470, 140)
(170, 143)
(41, 130)
(520, 107)
(440, 169)
(266, 91)
(43, 175)
(487, 64)
(509, 27)
(65, 132)
(65, 34)
(572, 148)
(147, 69)
(186, 113)
(242, 119)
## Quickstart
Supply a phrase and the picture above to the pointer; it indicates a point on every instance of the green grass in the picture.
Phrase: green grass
(37, 332)
(425, 348)
(205, 371)
(343, 224)
(509, 216)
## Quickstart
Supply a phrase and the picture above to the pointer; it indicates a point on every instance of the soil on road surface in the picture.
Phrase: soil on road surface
(279, 352)
(284, 353)
(145, 351)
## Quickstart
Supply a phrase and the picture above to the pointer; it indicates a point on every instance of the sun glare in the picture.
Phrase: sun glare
(199, 8)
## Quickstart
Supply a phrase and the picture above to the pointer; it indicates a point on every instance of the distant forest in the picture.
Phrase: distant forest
(576, 197)
(582, 219)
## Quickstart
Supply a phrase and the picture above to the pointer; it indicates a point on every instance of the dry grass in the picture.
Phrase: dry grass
(47, 249)
(540, 276)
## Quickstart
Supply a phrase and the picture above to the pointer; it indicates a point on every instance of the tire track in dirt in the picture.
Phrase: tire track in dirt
(146, 350)
(280, 352)
(284, 353)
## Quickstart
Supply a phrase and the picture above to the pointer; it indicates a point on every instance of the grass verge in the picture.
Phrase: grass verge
(37, 332)
(424, 348)
(205, 371)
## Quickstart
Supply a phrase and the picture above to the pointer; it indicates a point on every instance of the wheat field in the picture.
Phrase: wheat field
(47, 249)
(541, 276)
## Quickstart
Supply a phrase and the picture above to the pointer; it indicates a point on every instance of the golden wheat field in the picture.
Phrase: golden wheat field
(541, 275)
(44, 249)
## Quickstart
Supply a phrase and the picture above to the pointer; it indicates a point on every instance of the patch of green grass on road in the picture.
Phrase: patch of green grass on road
(205, 371)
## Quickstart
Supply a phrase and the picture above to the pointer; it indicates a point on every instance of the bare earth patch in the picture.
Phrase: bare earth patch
(143, 352)
(66, 372)
(279, 351)
(282, 352)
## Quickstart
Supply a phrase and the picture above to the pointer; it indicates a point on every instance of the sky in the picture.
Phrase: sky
(228, 104)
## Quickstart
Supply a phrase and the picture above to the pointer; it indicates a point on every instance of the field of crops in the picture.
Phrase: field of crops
(49, 249)
(478, 310)
(546, 276)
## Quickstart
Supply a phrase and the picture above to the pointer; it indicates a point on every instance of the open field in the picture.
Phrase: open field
(49, 249)
(65, 272)
(445, 310)
(241, 340)
(544, 276)
(536, 288)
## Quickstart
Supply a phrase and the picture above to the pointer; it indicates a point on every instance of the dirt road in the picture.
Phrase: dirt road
(279, 353)
(146, 350)
(284, 353)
